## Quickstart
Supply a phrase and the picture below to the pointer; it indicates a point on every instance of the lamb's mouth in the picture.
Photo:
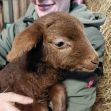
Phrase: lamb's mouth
(82, 69)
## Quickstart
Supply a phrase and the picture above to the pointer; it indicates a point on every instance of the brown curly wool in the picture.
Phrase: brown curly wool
(38, 55)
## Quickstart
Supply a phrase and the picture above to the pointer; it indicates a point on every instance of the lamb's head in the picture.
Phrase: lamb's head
(58, 40)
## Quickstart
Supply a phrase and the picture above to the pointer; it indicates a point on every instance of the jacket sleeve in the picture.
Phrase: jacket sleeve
(6, 39)
(92, 22)
(97, 40)
(80, 97)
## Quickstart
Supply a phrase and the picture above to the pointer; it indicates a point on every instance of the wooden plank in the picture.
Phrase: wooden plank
(16, 9)
(6, 11)
(11, 10)
(23, 7)
(1, 16)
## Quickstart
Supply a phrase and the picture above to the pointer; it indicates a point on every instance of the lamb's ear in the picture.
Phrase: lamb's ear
(25, 41)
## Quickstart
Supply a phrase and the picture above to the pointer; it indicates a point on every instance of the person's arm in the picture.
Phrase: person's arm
(7, 101)
(7, 37)
(97, 40)
(80, 97)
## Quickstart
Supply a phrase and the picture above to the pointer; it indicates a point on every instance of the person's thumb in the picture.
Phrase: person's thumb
(15, 98)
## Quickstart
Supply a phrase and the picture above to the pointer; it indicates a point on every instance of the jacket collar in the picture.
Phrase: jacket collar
(86, 16)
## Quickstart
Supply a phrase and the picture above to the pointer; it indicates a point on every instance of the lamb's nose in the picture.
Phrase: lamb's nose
(95, 60)
(91, 62)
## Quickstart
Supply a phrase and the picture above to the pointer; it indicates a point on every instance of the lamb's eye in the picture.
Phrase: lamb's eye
(60, 44)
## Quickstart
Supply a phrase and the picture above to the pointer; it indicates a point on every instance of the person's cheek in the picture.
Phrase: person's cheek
(65, 7)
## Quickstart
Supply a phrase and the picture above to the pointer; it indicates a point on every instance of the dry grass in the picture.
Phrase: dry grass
(103, 102)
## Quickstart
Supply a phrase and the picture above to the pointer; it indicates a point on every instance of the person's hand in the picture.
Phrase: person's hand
(7, 101)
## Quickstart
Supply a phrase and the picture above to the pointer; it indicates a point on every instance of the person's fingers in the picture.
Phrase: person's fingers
(5, 106)
(13, 97)
(10, 108)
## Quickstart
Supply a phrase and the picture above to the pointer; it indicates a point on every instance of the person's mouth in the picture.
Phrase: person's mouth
(44, 7)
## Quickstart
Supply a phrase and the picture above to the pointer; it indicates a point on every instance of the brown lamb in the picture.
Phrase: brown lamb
(51, 44)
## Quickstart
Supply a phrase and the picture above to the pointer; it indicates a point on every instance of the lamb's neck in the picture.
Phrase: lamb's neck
(41, 68)
(44, 77)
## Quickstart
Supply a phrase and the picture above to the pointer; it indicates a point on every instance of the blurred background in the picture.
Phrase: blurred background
(11, 10)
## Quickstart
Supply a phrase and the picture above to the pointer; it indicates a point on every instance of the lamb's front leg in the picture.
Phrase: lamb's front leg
(58, 97)
(40, 106)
